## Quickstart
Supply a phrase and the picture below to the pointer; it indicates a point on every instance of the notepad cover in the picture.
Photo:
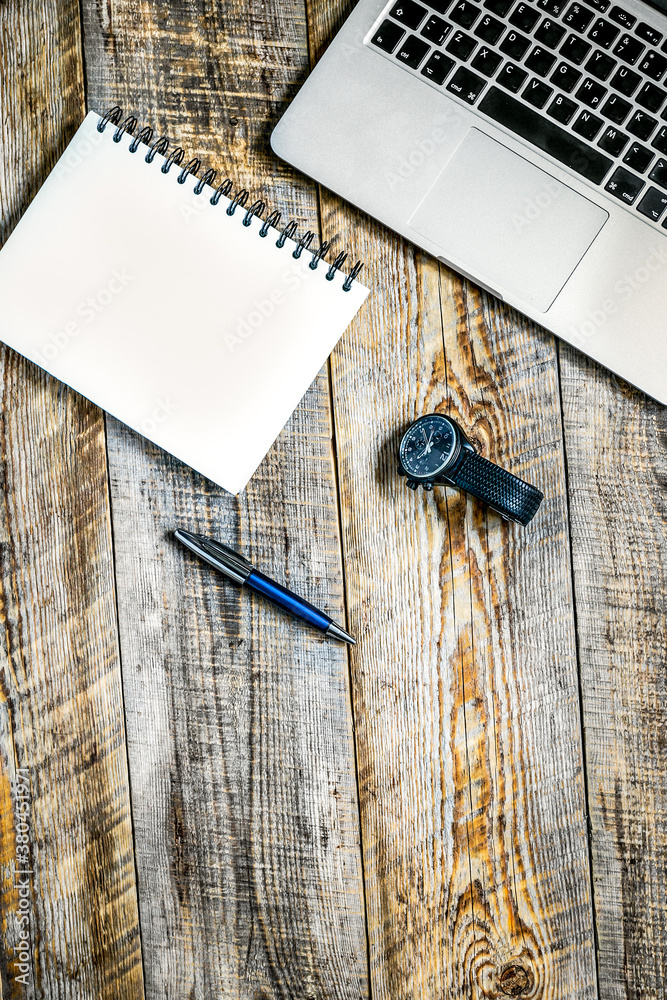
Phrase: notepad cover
(163, 309)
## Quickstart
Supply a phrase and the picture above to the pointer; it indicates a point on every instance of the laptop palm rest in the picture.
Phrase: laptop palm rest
(503, 220)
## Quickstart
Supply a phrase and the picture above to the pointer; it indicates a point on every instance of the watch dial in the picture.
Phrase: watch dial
(428, 446)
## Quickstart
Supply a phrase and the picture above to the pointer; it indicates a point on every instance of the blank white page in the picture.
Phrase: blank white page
(163, 309)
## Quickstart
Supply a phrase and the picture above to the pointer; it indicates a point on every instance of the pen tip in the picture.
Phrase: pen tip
(336, 632)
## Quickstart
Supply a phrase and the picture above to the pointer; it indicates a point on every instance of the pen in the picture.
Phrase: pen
(237, 568)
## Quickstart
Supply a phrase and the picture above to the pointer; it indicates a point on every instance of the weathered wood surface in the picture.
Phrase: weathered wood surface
(239, 731)
(617, 468)
(239, 725)
(64, 798)
(465, 687)
(465, 684)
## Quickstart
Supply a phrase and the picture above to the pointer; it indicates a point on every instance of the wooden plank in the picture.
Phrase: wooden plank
(465, 684)
(239, 726)
(69, 920)
(465, 687)
(617, 468)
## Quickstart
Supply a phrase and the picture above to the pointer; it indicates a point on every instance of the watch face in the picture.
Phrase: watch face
(428, 446)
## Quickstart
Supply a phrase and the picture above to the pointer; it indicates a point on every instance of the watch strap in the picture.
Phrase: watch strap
(510, 496)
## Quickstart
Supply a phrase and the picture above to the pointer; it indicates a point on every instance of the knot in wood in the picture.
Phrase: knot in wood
(514, 980)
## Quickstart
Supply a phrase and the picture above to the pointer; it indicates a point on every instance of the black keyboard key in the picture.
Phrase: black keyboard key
(409, 13)
(562, 109)
(625, 81)
(489, 29)
(499, 7)
(387, 36)
(659, 173)
(412, 51)
(464, 13)
(436, 30)
(638, 157)
(554, 7)
(660, 141)
(613, 141)
(566, 77)
(624, 185)
(600, 65)
(601, 5)
(641, 125)
(587, 125)
(616, 109)
(651, 97)
(653, 204)
(578, 17)
(648, 34)
(575, 49)
(514, 45)
(603, 33)
(590, 93)
(540, 61)
(486, 61)
(466, 85)
(545, 134)
(550, 33)
(524, 17)
(628, 49)
(462, 46)
(622, 17)
(512, 77)
(653, 65)
(439, 5)
(437, 67)
(537, 93)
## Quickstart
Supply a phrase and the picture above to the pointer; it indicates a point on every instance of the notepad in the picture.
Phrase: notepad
(184, 310)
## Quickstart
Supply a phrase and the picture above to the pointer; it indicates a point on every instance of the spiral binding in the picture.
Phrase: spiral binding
(191, 169)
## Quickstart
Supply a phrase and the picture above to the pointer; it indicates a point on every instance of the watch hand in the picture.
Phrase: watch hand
(427, 449)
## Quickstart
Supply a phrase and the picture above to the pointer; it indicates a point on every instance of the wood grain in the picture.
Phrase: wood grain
(64, 799)
(239, 726)
(465, 685)
(617, 469)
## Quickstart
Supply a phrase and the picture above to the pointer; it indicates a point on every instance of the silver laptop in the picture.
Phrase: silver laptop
(521, 142)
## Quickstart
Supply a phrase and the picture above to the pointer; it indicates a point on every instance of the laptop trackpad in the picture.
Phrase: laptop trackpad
(508, 223)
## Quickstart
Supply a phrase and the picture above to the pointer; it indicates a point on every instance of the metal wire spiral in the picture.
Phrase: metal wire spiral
(191, 169)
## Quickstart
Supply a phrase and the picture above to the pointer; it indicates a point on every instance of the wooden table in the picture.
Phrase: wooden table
(213, 801)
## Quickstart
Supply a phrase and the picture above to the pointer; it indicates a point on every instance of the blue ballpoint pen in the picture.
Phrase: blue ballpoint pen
(237, 568)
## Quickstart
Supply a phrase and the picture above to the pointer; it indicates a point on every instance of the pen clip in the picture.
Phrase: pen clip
(224, 559)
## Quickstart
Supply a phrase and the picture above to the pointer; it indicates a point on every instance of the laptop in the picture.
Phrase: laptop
(522, 143)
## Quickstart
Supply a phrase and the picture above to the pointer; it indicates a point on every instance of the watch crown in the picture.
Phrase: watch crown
(411, 484)
(428, 486)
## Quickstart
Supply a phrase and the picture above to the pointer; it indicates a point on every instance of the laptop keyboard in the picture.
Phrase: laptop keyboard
(583, 82)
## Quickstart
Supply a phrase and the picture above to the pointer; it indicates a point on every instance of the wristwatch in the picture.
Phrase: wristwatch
(434, 451)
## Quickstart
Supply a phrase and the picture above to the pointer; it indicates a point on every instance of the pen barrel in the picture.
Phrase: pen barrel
(288, 601)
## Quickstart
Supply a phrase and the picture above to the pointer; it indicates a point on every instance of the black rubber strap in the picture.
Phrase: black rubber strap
(509, 495)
